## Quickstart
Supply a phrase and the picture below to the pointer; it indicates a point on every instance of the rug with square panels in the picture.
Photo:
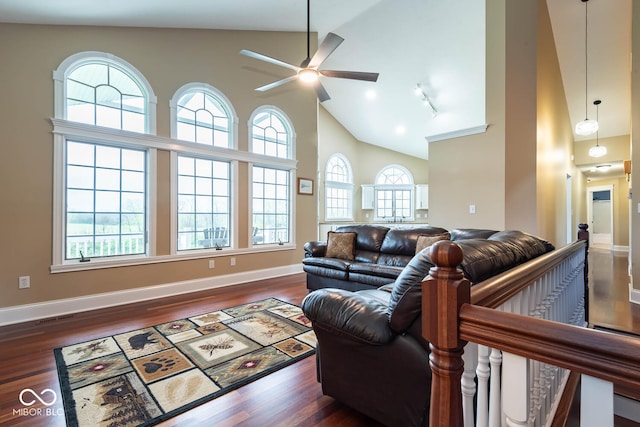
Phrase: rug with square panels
(145, 376)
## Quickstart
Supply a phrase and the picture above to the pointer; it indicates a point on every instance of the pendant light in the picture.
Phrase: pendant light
(586, 127)
(597, 150)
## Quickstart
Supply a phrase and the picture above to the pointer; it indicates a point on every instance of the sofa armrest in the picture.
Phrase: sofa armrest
(349, 314)
(315, 249)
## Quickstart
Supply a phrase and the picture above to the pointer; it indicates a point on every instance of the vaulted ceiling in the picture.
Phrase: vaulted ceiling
(437, 44)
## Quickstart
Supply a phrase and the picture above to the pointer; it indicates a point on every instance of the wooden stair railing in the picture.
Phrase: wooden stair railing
(451, 321)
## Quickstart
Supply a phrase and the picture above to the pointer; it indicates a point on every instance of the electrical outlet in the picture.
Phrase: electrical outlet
(472, 209)
(233, 261)
(24, 282)
(212, 263)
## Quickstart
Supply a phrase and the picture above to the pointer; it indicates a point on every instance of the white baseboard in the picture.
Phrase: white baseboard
(61, 307)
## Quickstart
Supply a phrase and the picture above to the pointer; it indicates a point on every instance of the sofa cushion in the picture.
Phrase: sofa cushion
(405, 304)
(369, 237)
(402, 241)
(470, 233)
(424, 241)
(349, 314)
(485, 258)
(341, 245)
(526, 246)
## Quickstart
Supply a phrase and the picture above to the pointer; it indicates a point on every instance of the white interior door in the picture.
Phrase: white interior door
(600, 215)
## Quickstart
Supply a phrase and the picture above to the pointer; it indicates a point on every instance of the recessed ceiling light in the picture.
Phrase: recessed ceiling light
(371, 94)
(400, 130)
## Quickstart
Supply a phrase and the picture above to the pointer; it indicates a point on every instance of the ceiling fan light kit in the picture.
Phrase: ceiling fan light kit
(586, 127)
(308, 71)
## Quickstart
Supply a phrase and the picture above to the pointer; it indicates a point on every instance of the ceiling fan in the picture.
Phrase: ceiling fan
(309, 71)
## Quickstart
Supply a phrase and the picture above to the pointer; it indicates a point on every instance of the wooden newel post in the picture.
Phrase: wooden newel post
(583, 234)
(444, 291)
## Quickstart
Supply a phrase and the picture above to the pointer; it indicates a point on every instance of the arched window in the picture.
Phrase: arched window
(202, 114)
(101, 190)
(100, 89)
(338, 189)
(394, 194)
(271, 135)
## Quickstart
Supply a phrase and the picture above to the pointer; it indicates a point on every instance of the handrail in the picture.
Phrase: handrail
(493, 292)
(446, 293)
(610, 357)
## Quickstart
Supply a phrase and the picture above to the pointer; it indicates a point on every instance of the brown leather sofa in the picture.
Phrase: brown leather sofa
(371, 354)
(379, 255)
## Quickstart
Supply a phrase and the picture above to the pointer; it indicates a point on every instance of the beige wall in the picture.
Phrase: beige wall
(168, 58)
(366, 161)
(555, 146)
(516, 172)
(470, 170)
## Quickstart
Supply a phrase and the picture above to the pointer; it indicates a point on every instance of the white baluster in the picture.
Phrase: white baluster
(470, 358)
(483, 372)
(515, 391)
(596, 402)
(495, 412)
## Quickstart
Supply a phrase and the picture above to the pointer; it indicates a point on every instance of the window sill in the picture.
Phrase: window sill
(97, 264)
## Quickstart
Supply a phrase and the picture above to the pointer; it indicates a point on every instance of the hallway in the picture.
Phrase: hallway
(609, 292)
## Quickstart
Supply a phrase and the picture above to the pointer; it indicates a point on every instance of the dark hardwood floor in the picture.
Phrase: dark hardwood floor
(609, 293)
(289, 397)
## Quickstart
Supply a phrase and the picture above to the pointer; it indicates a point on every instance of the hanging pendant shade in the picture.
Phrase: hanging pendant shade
(586, 127)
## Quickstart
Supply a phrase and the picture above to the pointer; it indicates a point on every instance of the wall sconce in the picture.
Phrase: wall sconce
(627, 169)
(420, 93)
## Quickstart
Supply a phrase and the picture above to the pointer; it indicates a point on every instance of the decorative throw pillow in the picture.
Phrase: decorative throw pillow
(424, 241)
(341, 245)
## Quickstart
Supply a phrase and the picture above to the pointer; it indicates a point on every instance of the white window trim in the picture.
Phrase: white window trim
(384, 187)
(74, 61)
(233, 217)
(262, 160)
(287, 122)
(59, 226)
(340, 185)
(231, 112)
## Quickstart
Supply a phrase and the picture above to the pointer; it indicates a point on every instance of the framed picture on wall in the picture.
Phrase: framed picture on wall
(305, 186)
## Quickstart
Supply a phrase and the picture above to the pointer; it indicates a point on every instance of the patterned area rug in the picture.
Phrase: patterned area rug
(143, 377)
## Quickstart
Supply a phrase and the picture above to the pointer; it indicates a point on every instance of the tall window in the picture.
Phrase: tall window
(203, 115)
(101, 184)
(106, 200)
(394, 194)
(204, 203)
(271, 205)
(271, 135)
(338, 189)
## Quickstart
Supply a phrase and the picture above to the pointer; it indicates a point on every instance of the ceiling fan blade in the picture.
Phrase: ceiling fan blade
(354, 75)
(269, 59)
(321, 92)
(276, 84)
(329, 44)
